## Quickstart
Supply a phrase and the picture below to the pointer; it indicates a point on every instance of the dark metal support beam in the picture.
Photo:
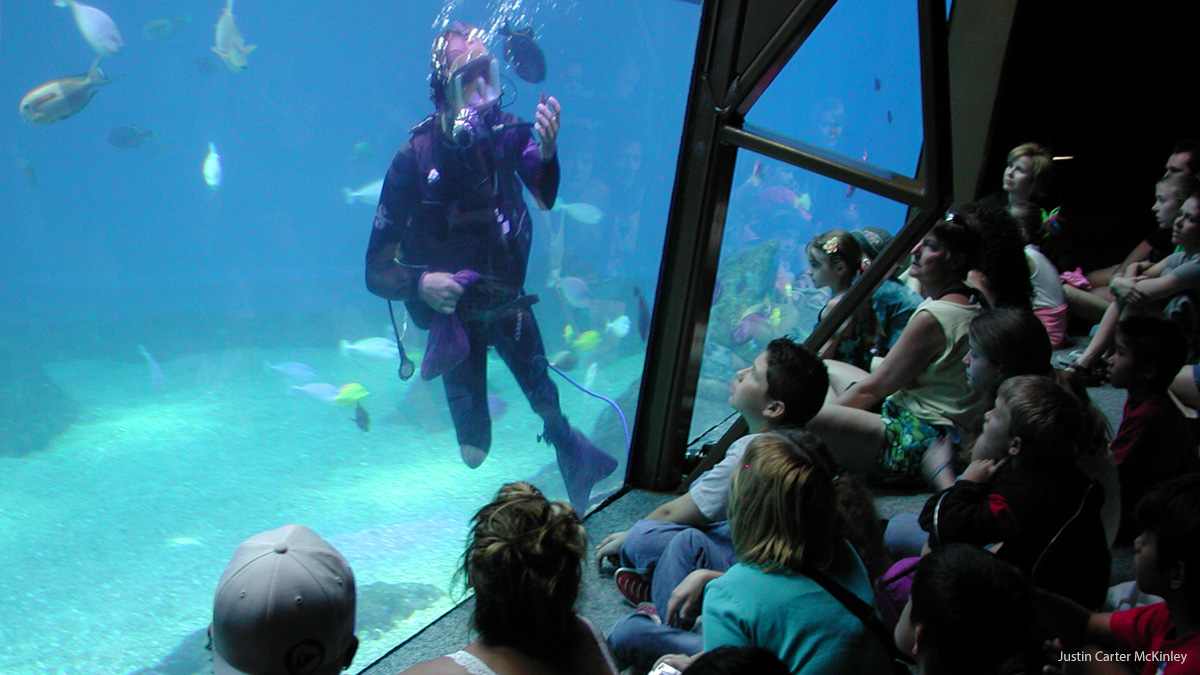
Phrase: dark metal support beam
(703, 179)
(722, 91)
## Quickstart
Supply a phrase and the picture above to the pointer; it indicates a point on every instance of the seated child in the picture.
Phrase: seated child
(1155, 441)
(1035, 424)
(1169, 288)
(784, 387)
(1166, 635)
(1049, 301)
(1089, 295)
(966, 607)
(835, 260)
(893, 302)
(644, 635)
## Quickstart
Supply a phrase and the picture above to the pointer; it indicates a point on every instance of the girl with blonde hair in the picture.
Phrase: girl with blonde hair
(786, 531)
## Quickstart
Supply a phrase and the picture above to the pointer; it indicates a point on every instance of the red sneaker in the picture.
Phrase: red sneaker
(632, 585)
(648, 609)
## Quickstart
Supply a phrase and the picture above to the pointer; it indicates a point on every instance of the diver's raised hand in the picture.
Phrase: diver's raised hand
(546, 126)
(440, 291)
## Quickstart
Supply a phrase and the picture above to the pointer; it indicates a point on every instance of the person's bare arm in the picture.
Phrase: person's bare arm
(1071, 621)
(1140, 253)
(937, 463)
(1146, 289)
(682, 510)
(921, 342)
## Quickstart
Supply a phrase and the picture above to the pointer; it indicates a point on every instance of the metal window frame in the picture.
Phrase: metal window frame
(742, 46)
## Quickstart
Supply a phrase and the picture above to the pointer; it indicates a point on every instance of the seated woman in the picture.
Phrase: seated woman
(1089, 300)
(920, 388)
(1167, 288)
(524, 561)
(1000, 271)
(788, 537)
(1029, 177)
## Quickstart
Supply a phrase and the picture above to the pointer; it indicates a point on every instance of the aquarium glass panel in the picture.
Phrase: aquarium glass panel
(190, 353)
(854, 87)
(766, 287)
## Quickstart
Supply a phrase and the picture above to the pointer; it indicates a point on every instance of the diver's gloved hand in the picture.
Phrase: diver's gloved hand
(546, 126)
(440, 291)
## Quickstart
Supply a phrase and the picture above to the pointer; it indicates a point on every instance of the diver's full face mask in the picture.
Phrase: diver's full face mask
(474, 85)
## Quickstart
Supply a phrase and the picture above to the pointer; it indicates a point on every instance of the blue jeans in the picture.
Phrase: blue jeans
(904, 537)
(669, 552)
(666, 552)
(636, 640)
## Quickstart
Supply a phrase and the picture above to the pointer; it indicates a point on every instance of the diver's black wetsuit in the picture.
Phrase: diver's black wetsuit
(446, 209)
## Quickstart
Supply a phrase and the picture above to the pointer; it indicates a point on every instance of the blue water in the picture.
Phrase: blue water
(114, 532)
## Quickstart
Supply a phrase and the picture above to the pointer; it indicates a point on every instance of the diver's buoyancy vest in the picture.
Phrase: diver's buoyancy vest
(469, 198)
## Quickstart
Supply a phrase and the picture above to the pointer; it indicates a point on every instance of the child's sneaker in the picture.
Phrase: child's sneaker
(648, 609)
(632, 585)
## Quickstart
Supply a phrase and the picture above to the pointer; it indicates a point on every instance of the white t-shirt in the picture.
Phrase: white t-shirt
(1047, 288)
(711, 490)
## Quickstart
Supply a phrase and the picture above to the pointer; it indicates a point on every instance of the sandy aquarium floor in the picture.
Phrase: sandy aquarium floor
(112, 540)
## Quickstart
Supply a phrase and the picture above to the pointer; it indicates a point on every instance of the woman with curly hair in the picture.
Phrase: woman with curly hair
(524, 562)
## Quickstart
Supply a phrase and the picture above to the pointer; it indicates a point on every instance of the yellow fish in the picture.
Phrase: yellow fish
(568, 333)
(350, 394)
(229, 43)
(776, 317)
(61, 98)
(588, 341)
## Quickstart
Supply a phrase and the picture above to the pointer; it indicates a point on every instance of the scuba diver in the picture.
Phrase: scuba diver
(451, 239)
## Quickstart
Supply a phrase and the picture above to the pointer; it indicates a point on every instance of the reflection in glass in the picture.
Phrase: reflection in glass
(854, 87)
(776, 278)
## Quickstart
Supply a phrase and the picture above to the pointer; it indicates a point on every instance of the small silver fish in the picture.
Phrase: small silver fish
(296, 371)
(576, 292)
(229, 44)
(96, 27)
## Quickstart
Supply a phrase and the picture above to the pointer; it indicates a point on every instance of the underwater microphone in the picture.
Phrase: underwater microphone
(407, 367)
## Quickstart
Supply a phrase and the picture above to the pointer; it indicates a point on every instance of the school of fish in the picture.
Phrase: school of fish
(62, 97)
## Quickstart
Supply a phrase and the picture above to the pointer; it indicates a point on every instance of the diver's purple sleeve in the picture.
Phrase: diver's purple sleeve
(386, 276)
(541, 177)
